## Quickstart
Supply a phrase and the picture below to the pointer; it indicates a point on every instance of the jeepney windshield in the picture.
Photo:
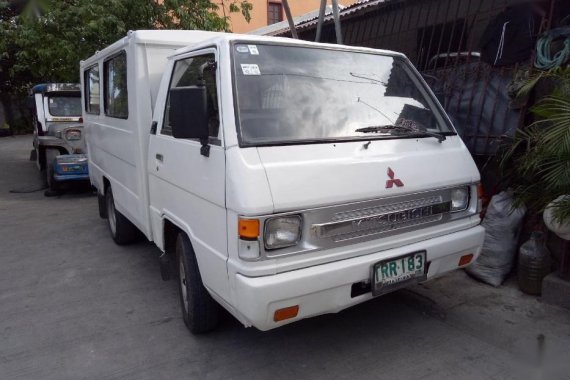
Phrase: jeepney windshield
(290, 94)
(64, 105)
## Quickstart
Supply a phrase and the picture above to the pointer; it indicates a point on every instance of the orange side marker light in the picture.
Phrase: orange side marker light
(248, 228)
(286, 313)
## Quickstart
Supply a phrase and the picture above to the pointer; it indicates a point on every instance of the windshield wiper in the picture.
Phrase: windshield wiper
(365, 77)
(376, 128)
(404, 130)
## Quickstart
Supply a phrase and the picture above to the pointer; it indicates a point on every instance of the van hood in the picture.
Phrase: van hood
(315, 175)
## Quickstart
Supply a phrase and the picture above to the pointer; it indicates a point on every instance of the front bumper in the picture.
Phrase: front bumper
(326, 288)
(71, 167)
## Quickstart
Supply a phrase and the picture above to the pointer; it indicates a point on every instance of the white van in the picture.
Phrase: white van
(281, 179)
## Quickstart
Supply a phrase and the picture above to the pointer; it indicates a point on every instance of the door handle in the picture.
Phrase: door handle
(159, 157)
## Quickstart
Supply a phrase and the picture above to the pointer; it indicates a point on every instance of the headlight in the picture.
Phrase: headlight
(73, 134)
(282, 232)
(459, 199)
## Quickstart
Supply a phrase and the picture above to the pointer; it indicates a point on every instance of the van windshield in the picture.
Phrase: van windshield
(69, 106)
(289, 94)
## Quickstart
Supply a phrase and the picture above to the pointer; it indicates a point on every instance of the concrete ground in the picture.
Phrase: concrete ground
(74, 305)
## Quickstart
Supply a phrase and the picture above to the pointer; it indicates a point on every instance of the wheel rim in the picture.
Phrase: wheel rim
(111, 214)
(183, 289)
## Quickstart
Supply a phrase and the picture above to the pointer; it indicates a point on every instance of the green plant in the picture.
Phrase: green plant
(538, 161)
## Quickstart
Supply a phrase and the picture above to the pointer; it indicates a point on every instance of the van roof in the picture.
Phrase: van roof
(196, 38)
(290, 41)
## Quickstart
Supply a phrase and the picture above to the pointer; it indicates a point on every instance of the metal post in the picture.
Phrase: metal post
(290, 19)
(337, 22)
(321, 20)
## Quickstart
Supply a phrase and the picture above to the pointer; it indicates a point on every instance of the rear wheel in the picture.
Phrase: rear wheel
(199, 310)
(122, 230)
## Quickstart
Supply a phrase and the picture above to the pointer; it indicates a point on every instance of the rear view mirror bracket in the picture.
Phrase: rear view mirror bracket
(205, 149)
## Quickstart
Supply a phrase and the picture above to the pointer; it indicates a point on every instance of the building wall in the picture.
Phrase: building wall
(259, 12)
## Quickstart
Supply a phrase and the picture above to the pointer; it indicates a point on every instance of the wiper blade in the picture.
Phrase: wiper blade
(404, 130)
(376, 128)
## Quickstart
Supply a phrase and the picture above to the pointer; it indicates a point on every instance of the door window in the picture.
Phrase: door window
(92, 90)
(115, 89)
(196, 71)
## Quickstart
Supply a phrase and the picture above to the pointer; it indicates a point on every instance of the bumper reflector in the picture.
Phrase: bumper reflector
(286, 313)
(465, 259)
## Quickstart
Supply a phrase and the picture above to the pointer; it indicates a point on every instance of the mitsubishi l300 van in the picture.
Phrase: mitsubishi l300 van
(280, 179)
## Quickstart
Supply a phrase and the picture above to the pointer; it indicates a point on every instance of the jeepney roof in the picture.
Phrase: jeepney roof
(55, 87)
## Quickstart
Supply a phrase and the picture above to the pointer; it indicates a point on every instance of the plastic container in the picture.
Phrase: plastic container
(534, 264)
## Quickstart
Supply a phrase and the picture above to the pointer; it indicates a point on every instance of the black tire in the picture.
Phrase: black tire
(53, 187)
(122, 230)
(199, 310)
(102, 205)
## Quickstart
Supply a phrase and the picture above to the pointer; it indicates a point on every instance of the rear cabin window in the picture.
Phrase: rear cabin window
(92, 90)
(115, 90)
(196, 71)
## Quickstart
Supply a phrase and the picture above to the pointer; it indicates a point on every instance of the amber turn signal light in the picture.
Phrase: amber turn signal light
(286, 313)
(465, 259)
(248, 228)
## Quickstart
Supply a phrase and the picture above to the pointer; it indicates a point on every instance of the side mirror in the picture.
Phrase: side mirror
(188, 113)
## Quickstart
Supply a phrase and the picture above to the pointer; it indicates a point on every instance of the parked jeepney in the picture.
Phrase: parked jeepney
(59, 144)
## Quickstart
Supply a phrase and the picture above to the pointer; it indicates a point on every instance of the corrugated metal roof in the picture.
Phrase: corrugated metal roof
(345, 12)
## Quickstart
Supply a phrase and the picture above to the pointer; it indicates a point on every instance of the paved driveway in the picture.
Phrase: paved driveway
(74, 305)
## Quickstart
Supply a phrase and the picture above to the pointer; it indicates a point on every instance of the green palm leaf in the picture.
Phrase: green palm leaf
(538, 159)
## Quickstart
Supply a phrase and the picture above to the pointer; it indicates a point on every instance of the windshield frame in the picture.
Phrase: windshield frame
(61, 94)
(414, 75)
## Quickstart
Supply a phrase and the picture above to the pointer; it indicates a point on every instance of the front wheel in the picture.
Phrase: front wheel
(52, 184)
(122, 230)
(199, 310)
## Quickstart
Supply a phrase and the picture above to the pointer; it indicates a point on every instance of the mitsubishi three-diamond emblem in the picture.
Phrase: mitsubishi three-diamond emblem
(392, 180)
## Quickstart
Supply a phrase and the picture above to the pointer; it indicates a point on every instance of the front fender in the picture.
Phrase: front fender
(55, 143)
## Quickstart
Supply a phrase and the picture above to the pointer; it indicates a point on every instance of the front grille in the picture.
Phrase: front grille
(352, 224)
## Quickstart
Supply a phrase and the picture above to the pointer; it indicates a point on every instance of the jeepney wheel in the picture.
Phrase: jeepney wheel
(52, 184)
(199, 310)
(122, 230)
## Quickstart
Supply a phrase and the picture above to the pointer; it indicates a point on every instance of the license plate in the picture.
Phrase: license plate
(392, 274)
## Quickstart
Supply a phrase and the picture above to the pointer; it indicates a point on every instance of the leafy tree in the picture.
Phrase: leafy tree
(44, 40)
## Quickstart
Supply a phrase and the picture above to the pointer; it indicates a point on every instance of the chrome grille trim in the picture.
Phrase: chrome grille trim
(382, 219)
(377, 210)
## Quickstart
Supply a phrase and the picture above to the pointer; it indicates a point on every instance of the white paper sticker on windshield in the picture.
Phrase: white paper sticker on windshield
(253, 49)
(242, 49)
(250, 69)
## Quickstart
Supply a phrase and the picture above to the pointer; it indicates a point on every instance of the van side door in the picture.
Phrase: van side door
(186, 187)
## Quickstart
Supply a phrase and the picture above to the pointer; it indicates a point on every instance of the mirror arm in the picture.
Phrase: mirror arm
(205, 149)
